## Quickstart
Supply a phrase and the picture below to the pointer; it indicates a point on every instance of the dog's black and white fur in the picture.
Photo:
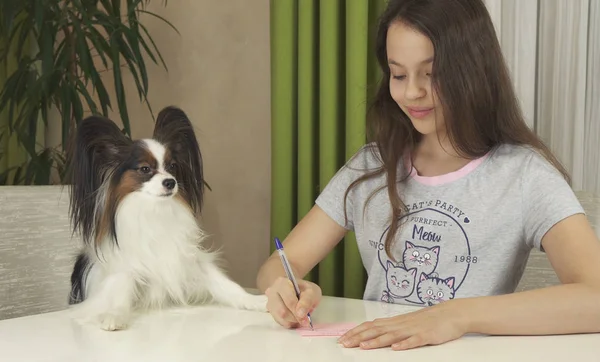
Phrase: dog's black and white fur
(136, 205)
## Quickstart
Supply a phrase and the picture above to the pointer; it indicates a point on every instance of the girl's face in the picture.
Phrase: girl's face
(410, 58)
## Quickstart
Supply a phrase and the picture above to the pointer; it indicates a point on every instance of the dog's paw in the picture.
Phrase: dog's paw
(256, 303)
(113, 322)
(105, 320)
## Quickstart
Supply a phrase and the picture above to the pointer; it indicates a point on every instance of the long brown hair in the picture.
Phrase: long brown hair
(480, 108)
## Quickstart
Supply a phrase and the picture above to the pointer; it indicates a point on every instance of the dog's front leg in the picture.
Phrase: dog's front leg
(110, 302)
(225, 291)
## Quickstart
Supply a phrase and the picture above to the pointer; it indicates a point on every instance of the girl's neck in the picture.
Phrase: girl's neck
(436, 148)
(435, 156)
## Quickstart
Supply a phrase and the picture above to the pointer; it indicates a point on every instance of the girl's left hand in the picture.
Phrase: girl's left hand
(429, 326)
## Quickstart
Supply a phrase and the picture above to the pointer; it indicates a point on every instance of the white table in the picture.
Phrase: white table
(213, 333)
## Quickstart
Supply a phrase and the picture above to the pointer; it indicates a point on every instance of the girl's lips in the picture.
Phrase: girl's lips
(419, 112)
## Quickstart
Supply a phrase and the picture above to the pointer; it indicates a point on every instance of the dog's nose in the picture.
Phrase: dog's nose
(169, 183)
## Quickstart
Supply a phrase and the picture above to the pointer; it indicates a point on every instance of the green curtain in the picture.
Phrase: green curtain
(12, 154)
(323, 71)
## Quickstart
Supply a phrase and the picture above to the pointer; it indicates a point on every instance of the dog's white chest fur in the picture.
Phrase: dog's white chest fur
(159, 244)
(159, 261)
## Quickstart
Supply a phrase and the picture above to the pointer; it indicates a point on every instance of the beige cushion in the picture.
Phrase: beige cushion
(36, 250)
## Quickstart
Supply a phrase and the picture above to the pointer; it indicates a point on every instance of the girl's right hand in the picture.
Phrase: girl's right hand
(285, 308)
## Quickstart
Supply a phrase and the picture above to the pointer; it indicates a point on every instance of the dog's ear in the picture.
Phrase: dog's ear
(99, 146)
(174, 129)
(97, 149)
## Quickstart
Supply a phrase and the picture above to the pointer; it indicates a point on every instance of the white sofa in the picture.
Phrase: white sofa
(36, 249)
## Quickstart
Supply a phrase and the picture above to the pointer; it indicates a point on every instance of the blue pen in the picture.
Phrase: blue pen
(290, 274)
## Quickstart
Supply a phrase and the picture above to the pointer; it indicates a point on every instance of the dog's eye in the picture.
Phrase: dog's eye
(145, 169)
(172, 165)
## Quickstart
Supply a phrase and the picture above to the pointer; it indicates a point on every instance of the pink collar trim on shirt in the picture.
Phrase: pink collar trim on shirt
(449, 177)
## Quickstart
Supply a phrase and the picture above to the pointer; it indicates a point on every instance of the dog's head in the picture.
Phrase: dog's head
(106, 166)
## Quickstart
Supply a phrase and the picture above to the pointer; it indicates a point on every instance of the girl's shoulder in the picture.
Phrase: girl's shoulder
(505, 161)
(366, 157)
(521, 159)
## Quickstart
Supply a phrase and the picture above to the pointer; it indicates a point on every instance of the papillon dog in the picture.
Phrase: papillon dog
(136, 206)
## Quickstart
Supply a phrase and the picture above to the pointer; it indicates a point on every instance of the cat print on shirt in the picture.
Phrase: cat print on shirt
(433, 241)
(400, 282)
(422, 258)
(433, 290)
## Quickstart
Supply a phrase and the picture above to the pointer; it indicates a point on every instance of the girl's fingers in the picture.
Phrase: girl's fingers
(413, 341)
(386, 339)
(358, 330)
(306, 303)
(351, 333)
(363, 332)
(278, 309)
(284, 306)
(286, 322)
(287, 294)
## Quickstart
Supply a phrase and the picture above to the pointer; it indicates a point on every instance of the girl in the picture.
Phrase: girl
(448, 199)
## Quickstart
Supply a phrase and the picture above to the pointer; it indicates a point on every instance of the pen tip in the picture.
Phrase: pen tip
(310, 322)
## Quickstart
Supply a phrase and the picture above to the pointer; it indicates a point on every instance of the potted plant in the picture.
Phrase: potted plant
(55, 54)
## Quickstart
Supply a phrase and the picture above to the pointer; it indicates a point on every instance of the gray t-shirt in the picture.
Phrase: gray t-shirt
(469, 233)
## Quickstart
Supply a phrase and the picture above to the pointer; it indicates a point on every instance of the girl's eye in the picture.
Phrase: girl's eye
(399, 77)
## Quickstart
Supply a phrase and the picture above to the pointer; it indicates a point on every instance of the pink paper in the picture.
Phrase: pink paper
(326, 330)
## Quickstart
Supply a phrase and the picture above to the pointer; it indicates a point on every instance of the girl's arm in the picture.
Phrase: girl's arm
(305, 246)
(572, 307)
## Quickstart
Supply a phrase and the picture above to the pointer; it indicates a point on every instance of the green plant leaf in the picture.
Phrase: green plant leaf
(106, 4)
(65, 113)
(9, 10)
(77, 106)
(137, 58)
(58, 49)
(30, 171)
(4, 176)
(24, 32)
(99, 43)
(154, 45)
(131, 61)
(82, 89)
(118, 84)
(102, 92)
(116, 7)
(82, 50)
(47, 57)
(43, 168)
(38, 11)
(161, 18)
(17, 176)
